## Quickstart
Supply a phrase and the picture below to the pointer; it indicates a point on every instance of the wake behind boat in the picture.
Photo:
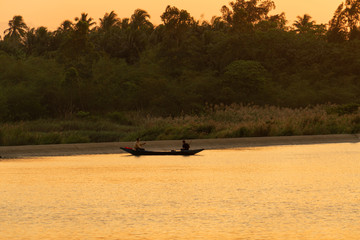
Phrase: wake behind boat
(172, 152)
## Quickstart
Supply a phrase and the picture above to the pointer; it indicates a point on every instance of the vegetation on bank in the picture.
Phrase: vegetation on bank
(245, 56)
(218, 121)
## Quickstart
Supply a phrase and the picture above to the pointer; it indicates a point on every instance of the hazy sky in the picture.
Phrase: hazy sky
(51, 13)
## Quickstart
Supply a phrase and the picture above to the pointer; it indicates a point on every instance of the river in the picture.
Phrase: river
(282, 192)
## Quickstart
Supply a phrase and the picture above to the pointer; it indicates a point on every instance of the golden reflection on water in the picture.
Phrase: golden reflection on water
(287, 192)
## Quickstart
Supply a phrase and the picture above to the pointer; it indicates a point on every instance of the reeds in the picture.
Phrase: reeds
(213, 122)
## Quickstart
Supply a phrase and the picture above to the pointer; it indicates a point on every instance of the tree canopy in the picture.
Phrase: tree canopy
(246, 55)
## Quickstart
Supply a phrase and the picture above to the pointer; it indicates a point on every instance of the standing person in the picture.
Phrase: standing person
(185, 146)
(138, 145)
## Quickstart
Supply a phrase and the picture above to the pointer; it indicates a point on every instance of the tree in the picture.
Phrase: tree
(84, 18)
(17, 29)
(177, 23)
(77, 41)
(218, 23)
(245, 14)
(140, 19)
(62, 35)
(346, 22)
(37, 41)
(277, 21)
(304, 24)
(137, 33)
(178, 39)
(126, 38)
(71, 90)
(65, 26)
(29, 41)
(108, 21)
(244, 81)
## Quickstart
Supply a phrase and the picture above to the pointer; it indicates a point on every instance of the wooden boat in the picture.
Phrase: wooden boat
(172, 152)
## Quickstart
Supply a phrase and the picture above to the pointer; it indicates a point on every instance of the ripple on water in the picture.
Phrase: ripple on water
(284, 192)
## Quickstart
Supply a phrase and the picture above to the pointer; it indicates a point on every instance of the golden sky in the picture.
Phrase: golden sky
(51, 13)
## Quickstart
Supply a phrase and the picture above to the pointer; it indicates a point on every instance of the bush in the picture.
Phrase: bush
(151, 133)
(17, 136)
(49, 138)
(356, 120)
(240, 132)
(119, 118)
(204, 128)
(75, 137)
(356, 129)
(105, 136)
(262, 130)
(344, 109)
(23, 103)
(82, 114)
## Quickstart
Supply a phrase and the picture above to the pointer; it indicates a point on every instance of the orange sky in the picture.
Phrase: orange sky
(51, 13)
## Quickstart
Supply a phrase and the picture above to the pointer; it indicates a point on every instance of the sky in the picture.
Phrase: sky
(51, 13)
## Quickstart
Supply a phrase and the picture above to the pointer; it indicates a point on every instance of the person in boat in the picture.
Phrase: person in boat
(138, 145)
(185, 146)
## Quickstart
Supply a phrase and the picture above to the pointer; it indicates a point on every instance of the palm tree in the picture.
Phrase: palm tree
(108, 21)
(29, 41)
(77, 42)
(17, 28)
(124, 23)
(37, 41)
(82, 27)
(84, 18)
(67, 25)
(137, 30)
(140, 18)
(304, 24)
(62, 34)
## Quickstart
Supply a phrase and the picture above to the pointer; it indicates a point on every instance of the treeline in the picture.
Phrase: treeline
(246, 55)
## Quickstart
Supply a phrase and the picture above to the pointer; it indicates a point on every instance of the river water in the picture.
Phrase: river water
(282, 192)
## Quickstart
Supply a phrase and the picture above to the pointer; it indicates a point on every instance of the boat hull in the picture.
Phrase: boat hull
(145, 152)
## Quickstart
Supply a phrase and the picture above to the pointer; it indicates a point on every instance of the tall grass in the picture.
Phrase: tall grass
(214, 122)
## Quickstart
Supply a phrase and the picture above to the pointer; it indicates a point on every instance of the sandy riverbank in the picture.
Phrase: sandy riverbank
(113, 147)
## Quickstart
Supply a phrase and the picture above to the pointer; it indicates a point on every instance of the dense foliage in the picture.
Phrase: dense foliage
(246, 55)
(218, 121)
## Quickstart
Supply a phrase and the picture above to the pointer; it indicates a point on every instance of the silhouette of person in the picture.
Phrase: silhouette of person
(185, 146)
(138, 145)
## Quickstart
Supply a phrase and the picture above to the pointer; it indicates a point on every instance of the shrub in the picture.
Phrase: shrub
(49, 138)
(105, 136)
(241, 132)
(262, 130)
(119, 118)
(17, 136)
(204, 128)
(82, 114)
(344, 109)
(356, 129)
(75, 137)
(151, 133)
(356, 120)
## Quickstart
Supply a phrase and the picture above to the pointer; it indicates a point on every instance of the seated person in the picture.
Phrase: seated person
(185, 146)
(138, 145)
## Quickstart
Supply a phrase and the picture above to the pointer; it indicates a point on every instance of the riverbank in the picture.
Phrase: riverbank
(214, 122)
(220, 143)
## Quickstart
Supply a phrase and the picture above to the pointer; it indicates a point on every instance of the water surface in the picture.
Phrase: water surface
(283, 192)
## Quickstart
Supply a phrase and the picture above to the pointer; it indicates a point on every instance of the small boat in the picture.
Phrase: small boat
(172, 152)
